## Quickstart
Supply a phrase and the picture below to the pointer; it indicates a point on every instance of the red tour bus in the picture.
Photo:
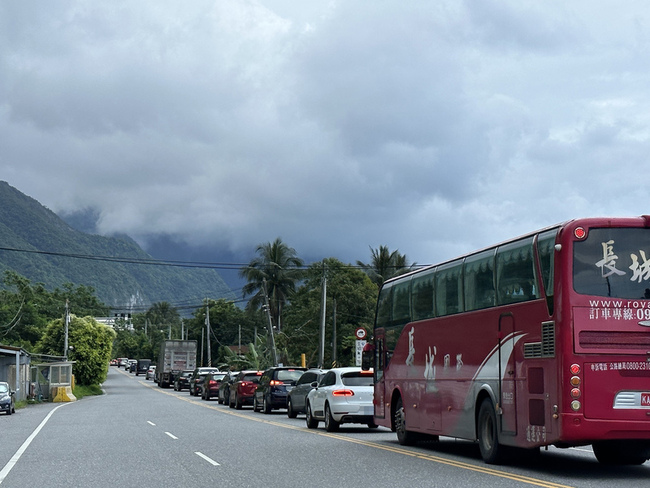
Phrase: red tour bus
(541, 340)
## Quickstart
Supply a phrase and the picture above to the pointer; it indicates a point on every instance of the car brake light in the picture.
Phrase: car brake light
(343, 393)
(276, 383)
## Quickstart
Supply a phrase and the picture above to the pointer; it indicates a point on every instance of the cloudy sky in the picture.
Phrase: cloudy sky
(433, 127)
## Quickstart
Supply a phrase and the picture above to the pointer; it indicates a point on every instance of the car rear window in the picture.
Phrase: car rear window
(254, 377)
(357, 379)
(290, 374)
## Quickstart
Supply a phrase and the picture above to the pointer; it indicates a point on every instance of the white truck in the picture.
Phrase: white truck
(174, 357)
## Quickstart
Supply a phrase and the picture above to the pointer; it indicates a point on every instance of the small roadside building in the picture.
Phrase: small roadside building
(15, 369)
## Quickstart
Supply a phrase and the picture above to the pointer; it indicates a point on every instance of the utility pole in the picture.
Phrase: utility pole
(268, 312)
(207, 328)
(334, 358)
(67, 324)
(321, 351)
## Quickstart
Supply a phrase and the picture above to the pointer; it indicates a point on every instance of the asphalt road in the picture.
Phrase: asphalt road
(138, 435)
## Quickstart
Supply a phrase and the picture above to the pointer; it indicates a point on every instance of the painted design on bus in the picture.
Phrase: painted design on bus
(430, 370)
(411, 357)
(490, 366)
(640, 267)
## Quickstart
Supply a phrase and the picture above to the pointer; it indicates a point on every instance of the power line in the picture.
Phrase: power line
(174, 263)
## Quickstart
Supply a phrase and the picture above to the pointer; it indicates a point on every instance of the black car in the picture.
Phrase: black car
(142, 366)
(275, 383)
(196, 381)
(182, 380)
(224, 387)
(296, 397)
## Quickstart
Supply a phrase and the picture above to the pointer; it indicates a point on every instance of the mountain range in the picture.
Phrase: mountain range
(41, 246)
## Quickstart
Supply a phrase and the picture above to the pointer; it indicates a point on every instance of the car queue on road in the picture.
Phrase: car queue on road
(333, 396)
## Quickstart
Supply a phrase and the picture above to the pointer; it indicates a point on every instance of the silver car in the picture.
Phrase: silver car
(343, 396)
(7, 399)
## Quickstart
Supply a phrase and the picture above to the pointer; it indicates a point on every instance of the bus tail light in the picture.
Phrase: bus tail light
(575, 382)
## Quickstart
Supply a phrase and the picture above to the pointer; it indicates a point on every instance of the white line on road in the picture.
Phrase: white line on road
(12, 462)
(151, 423)
(211, 461)
(171, 435)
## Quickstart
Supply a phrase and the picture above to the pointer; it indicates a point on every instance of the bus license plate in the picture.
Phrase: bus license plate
(645, 399)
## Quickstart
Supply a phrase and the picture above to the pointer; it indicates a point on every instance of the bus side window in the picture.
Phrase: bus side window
(516, 281)
(479, 281)
(401, 307)
(384, 307)
(546, 250)
(422, 296)
(449, 289)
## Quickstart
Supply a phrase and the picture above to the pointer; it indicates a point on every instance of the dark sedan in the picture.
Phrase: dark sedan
(275, 384)
(182, 380)
(296, 397)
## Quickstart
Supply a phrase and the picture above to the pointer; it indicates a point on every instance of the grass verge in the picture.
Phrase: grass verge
(81, 391)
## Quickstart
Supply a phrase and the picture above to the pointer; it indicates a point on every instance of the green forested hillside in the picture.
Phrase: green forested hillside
(28, 226)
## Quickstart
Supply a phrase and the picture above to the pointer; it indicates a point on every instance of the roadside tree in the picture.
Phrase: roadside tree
(355, 297)
(90, 342)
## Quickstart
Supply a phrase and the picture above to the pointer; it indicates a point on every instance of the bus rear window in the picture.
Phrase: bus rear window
(613, 262)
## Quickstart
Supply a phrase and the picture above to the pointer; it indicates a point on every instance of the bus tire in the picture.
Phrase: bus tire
(488, 434)
(621, 453)
(404, 437)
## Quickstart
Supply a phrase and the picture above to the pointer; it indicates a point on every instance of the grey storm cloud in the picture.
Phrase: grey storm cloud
(432, 127)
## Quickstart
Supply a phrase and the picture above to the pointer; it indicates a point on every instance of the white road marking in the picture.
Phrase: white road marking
(151, 423)
(21, 450)
(211, 461)
(171, 435)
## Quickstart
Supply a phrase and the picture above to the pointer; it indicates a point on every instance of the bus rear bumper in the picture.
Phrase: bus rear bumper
(577, 430)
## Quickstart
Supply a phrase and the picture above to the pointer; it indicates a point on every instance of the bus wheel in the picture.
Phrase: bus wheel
(622, 453)
(488, 434)
(404, 437)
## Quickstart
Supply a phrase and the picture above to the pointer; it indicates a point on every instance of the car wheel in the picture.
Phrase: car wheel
(238, 403)
(9, 411)
(312, 423)
(266, 406)
(331, 425)
(291, 413)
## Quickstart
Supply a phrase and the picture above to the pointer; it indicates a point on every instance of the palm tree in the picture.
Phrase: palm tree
(385, 264)
(163, 315)
(278, 266)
